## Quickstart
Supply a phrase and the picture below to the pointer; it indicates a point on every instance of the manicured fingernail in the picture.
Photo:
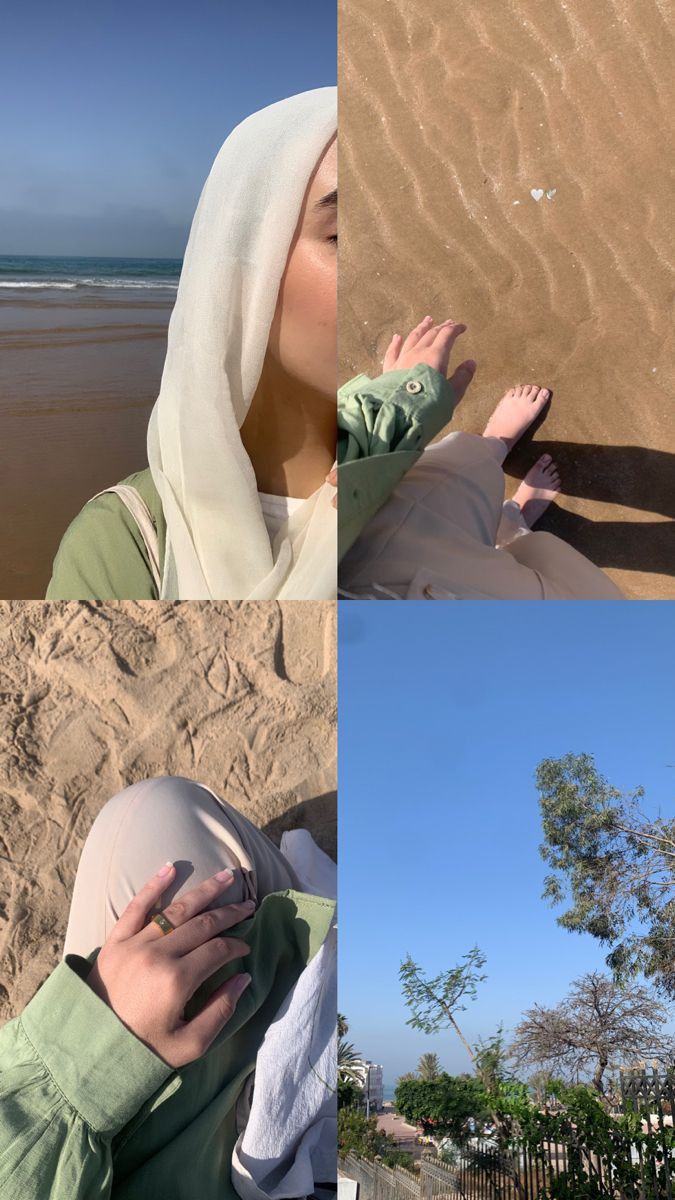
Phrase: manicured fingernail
(240, 983)
(224, 876)
(166, 869)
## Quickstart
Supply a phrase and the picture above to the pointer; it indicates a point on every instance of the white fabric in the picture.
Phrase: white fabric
(217, 542)
(276, 510)
(290, 1140)
(445, 533)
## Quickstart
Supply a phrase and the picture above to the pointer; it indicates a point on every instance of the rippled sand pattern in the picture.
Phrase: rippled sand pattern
(449, 116)
(241, 697)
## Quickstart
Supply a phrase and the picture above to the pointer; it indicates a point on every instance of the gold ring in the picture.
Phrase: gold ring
(163, 922)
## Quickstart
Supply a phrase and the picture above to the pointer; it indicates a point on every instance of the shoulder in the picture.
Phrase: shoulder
(102, 555)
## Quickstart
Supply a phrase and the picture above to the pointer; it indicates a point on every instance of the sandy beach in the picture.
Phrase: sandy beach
(450, 120)
(79, 374)
(241, 697)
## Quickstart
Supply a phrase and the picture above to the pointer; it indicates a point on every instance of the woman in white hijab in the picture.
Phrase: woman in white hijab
(235, 503)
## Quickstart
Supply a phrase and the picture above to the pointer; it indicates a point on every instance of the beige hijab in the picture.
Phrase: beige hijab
(217, 543)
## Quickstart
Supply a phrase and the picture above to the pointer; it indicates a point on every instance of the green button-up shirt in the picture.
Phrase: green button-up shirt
(88, 1111)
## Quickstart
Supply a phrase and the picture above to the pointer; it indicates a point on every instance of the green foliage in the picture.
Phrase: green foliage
(348, 1093)
(398, 1158)
(429, 1066)
(349, 1063)
(614, 866)
(435, 1001)
(591, 1136)
(358, 1134)
(489, 1058)
(442, 1106)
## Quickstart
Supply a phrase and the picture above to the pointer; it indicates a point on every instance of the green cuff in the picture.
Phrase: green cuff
(104, 1072)
(400, 410)
(363, 487)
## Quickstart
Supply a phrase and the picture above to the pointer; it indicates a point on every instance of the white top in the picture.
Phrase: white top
(276, 510)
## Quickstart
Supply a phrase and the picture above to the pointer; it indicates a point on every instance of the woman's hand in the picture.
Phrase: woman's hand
(147, 977)
(430, 344)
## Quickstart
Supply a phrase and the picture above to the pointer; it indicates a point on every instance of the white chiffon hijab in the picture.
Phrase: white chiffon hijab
(217, 544)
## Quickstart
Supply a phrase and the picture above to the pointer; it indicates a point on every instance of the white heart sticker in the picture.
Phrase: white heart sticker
(551, 194)
(536, 193)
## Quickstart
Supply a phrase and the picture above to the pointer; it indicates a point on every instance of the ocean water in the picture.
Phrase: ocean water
(26, 274)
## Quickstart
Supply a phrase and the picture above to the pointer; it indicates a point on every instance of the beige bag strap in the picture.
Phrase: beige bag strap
(134, 502)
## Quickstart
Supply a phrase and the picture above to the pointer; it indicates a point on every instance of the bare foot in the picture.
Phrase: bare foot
(538, 489)
(515, 412)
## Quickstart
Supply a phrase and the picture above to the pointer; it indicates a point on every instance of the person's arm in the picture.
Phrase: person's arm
(103, 1034)
(102, 556)
(71, 1076)
(384, 425)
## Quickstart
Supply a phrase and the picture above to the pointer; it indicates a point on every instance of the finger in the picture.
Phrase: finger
(447, 333)
(331, 477)
(461, 378)
(190, 903)
(202, 963)
(207, 925)
(196, 1035)
(136, 912)
(443, 343)
(428, 338)
(392, 352)
(416, 333)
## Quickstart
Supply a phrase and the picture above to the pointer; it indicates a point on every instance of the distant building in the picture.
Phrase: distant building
(373, 1087)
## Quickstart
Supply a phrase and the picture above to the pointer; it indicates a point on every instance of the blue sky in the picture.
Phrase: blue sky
(118, 110)
(445, 710)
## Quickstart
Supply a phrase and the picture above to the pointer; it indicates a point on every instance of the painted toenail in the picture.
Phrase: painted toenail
(545, 393)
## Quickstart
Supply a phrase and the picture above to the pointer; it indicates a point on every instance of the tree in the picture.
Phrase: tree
(342, 1026)
(597, 1028)
(442, 1106)
(429, 1066)
(350, 1065)
(358, 1134)
(434, 1002)
(613, 865)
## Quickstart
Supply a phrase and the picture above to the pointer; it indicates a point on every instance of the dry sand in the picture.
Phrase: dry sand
(449, 116)
(241, 697)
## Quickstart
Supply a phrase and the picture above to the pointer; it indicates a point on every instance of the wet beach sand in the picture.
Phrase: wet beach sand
(240, 697)
(449, 119)
(79, 373)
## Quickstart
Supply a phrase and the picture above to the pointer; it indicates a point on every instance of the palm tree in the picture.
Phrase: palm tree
(429, 1067)
(350, 1066)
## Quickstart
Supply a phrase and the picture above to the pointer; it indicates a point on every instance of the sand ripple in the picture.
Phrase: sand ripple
(449, 117)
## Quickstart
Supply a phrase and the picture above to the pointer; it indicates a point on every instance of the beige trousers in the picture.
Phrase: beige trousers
(168, 819)
(447, 533)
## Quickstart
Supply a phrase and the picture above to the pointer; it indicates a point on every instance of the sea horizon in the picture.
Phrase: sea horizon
(76, 272)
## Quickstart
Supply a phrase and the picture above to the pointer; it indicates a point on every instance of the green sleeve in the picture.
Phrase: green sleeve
(383, 427)
(71, 1076)
(102, 556)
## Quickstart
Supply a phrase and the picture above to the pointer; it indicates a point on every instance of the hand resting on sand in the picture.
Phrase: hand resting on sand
(147, 977)
(430, 344)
